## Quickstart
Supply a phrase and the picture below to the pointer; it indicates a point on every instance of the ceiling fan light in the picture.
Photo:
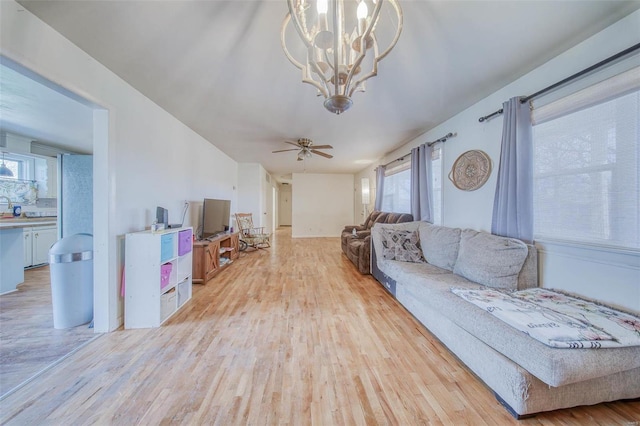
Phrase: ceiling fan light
(306, 149)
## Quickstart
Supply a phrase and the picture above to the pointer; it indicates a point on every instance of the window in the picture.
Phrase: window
(587, 169)
(14, 166)
(21, 187)
(397, 189)
(20, 165)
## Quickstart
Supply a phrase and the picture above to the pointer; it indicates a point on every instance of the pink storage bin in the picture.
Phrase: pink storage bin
(185, 242)
(165, 274)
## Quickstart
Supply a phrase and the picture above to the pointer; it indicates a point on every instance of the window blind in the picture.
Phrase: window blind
(406, 165)
(587, 165)
(611, 88)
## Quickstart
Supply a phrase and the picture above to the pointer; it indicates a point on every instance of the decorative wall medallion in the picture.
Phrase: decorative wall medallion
(471, 170)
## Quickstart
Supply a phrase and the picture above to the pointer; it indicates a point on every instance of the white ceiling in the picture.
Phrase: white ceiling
(42, 111)
(218, 66)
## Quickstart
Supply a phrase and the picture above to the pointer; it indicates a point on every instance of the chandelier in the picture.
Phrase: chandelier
(340, 39)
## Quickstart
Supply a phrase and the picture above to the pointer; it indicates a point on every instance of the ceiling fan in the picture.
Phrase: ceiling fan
(306, 148)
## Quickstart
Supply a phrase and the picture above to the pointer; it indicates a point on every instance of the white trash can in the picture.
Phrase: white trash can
(71, 267)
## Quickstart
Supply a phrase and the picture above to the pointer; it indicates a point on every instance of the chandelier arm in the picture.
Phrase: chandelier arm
(317, 85)
(322, 85)
(283, 42)
(337, 30)
(292, 16)
(371, 73)
(372, 23)
(298, 26)
(398, 9)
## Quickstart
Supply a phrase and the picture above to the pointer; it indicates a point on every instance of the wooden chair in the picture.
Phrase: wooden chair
(250, 235)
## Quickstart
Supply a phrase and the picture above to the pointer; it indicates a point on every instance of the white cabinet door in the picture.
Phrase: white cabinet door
(43, 239)
(28, 244)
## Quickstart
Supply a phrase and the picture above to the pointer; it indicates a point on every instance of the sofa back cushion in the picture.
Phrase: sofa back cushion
(403, 245)
(440, 245)
(490, 260)
(386, 217)
(371, 219)
(395, 218)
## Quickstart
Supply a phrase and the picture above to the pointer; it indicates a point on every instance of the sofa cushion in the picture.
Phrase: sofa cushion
(440, 245)
(401, 245)
(414, 272)
(490, 259)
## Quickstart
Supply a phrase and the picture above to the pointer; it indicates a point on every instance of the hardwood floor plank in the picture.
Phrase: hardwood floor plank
(28, 341)
(292, 335)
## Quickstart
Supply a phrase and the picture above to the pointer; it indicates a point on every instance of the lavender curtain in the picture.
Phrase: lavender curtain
(421, 185)
(379, 187)
(513, 203)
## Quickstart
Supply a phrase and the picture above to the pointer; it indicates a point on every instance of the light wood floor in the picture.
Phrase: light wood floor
(290, 335)
(28, 341)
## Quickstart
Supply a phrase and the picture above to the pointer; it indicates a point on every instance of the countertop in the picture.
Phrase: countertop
(24, 222)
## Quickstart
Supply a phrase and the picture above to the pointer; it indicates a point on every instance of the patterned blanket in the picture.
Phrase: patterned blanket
(556, 319)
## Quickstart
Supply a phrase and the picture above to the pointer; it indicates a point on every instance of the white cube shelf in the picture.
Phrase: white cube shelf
(150, 300)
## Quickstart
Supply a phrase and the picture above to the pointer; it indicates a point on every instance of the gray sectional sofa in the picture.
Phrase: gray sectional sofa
(526, 376)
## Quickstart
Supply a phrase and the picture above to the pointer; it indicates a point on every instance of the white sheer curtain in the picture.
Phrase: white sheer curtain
(421, 184)
(513, 202)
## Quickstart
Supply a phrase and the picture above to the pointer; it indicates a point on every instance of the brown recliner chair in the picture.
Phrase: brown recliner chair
(358, 248)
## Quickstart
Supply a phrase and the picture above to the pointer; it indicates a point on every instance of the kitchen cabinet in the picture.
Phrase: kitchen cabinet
(37, 242)
(28, 244)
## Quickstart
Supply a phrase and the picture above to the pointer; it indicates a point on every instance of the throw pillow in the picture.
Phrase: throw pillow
(401, 245)
(440, 245)
(490, 260)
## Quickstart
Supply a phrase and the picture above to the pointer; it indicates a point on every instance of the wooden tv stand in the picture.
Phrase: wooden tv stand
(210, 256)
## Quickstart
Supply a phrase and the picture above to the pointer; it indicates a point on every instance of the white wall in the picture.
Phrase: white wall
(615, 280)
(255, 194)
(143, 156)
(250, 192)
(363, 211)
(322, 204)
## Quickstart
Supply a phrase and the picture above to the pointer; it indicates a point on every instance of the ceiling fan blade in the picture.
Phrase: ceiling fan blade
(321, 147)
(293, 143)
(284, 150)
(324, 154)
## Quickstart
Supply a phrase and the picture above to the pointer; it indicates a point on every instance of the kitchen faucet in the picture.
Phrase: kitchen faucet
(9, 204)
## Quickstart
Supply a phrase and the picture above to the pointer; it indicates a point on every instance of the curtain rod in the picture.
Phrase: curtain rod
(442, 139)
(554, 86)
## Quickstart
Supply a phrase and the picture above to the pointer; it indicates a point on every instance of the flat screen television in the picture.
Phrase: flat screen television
(215, 217)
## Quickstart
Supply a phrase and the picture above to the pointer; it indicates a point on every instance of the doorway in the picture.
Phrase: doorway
(284, 208)
(42, 126)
